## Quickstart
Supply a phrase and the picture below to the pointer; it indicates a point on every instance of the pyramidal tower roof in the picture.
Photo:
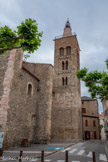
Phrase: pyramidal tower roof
(67, 29)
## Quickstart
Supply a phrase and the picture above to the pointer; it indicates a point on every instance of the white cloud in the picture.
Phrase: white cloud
(46, 56)
(93, 56)
(11, 6)
(88, 20)
(4, 20)
(10, 13)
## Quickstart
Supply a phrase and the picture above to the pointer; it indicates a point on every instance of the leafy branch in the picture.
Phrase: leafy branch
(26, 37)
(97, 82)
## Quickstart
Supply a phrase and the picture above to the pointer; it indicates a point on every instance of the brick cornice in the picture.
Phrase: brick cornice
(90, 116)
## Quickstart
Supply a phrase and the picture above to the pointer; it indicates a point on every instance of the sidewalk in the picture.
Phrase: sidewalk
(106, 147)
(35, 150)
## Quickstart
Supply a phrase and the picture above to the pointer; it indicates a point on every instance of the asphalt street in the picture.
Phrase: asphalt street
(79, 152)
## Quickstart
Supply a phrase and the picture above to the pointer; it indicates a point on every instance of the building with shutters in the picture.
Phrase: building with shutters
(105, 110)
(90, 118)
(102, 124)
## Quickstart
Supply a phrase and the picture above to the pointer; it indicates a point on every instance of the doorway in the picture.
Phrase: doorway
(95, 136)
(87, 135)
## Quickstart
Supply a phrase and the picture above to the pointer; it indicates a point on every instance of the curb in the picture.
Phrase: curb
(106, 148)
(53, 152)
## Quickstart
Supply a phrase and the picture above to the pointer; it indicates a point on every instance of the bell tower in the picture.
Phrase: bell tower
(66, 110)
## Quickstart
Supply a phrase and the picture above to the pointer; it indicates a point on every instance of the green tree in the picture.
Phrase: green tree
(101, 126)
(26, 37)
(96, 81)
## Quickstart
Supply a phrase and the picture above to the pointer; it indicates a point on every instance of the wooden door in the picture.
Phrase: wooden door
(87, 135)
(95, 136)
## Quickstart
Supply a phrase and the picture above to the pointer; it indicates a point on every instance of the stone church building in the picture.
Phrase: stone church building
(41, 102)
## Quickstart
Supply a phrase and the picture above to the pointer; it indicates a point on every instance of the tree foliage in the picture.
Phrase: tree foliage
(101, 126)
(26, 37)
(96, 81)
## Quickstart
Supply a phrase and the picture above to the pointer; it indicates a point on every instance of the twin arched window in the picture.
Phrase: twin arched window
(64, 81)
(68, 51)
(64, 65)
(61, 51)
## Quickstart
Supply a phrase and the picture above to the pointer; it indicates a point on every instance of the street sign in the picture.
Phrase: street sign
(1, 139)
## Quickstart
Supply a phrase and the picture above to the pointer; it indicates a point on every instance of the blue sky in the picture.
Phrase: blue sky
(88, 18)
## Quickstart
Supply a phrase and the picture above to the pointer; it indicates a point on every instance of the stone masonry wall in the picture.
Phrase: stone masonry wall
(91, 107)
(45, 73)
(6, 76)
(66, 111)
(21, 112)
(3, 67)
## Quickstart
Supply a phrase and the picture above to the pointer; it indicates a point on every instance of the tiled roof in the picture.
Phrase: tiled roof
(30, 73)
(101, 116)
(85, 98)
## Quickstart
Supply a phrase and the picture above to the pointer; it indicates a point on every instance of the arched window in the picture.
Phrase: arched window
(62, 81)
(68, 50)
(61, 50)
(86, 123)
(29, 88)
(33, 120)
(66, 81)
(63, 65)
(66, 65)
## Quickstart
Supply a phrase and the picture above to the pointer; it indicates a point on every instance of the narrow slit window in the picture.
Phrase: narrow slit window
(62, 81)
(29, 89)
(66, 81)
(63, 65)
(66, 65)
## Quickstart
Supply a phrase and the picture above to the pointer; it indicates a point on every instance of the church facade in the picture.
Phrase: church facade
(41, 102)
